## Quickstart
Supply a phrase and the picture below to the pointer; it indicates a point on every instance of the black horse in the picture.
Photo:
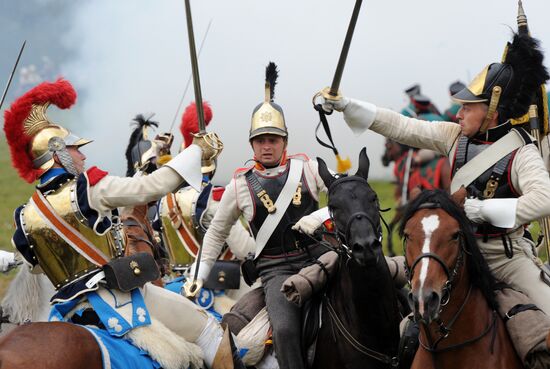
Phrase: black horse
(360, 318)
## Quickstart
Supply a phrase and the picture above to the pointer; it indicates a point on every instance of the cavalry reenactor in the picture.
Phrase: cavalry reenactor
(70, 228)
(492, 156)
(185, 215)
(271, 195)
(449, 115)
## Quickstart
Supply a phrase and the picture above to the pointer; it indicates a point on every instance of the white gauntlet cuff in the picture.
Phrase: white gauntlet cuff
(359, 115)
(188, 165)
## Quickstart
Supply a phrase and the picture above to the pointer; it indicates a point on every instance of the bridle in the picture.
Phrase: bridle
(342, 237)
(451, 273)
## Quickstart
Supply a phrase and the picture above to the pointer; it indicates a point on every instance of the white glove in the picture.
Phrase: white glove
(339, 105)
(499, 212)
(190, 289)
(7, 259)
(309, 223)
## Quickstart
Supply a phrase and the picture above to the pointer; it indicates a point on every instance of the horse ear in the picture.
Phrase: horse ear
(364, 164)
(325, 173)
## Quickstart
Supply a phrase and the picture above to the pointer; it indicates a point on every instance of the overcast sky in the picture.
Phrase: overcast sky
(131, 56)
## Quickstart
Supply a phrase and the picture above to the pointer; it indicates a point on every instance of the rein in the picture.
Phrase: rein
(445, 329)
(344, 251)
(383, 358)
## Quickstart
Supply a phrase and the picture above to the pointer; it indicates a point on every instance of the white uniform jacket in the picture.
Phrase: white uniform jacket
(528, 176)
(237, 200)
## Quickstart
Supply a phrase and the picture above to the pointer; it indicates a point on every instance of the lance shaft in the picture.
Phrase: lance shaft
(195, 69)
(12, 74)
(345, 49)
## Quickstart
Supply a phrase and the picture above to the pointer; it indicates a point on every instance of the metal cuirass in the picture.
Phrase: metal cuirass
(282, 239)
(179, 223)
(60, 262)
(493, 183)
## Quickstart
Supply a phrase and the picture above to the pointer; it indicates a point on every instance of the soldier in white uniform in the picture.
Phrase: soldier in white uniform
(276, 184)
(69, 229)
(507, 195)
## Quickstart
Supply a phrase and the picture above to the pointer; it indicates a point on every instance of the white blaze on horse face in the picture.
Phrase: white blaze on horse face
(429, 225)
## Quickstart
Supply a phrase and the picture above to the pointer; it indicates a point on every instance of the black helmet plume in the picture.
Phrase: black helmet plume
(139, 123)
(529, 73)
(271, 75)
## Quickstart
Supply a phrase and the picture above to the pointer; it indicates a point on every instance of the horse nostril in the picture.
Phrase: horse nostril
(357, 247)
(433, 299)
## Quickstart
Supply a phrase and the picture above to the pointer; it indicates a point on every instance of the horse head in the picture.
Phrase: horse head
(393, 152)
(440, 254)
(354, 208)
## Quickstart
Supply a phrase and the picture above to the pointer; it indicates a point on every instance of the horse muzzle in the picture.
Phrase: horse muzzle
(427, 303)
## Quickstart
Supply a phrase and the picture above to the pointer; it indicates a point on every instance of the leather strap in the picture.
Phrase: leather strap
(486, 159)
(68, 233)
(186, 237)
(282, 203)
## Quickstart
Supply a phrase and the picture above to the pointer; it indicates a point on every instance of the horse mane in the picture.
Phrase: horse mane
(480, 275)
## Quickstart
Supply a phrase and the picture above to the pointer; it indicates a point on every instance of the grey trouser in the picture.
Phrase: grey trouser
(522, 271)
(285, 317)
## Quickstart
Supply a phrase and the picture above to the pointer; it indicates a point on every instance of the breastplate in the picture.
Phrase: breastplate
(282, 239)
(60, 262)
(181, 249)
(466, 152)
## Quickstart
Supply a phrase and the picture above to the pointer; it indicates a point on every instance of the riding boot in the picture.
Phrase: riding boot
(527, 326)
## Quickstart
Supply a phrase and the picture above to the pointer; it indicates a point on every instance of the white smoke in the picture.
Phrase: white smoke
(132, 57)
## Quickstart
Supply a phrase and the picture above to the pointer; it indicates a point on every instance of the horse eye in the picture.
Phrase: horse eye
(455, 236)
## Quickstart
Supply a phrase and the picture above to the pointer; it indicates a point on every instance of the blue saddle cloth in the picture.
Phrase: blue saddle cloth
(119, 353)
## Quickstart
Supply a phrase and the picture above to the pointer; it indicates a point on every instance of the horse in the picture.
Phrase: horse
(452, 289)
(432, 173)
(360, 314)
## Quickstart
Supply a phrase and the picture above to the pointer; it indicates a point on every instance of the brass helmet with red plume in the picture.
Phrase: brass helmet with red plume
(33, 139)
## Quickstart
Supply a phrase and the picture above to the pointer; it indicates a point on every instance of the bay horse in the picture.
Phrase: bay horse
(360, 315)
(419, 175)
(452, 289)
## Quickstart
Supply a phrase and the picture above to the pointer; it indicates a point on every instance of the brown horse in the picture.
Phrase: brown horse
(49, 345)
(140, 238)
(452, 290)
(412, 175)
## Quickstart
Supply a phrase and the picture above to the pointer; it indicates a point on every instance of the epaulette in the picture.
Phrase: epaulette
(95, 174)
(217, 193)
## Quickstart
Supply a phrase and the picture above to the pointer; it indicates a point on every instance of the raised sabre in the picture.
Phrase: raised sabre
(12, 73)
(190, 78)
(211, 140)
(332, 92)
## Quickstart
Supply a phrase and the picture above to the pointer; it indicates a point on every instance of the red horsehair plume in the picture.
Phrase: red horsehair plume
(190, 121)
(60, 93)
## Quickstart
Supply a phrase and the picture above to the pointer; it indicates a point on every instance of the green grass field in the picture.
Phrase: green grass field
(13, 192)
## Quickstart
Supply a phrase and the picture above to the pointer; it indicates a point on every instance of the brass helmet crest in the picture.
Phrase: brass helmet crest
(268, 117)
(32, 137)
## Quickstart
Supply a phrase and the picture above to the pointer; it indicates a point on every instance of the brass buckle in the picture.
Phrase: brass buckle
(266, 200)
(490, 188)
(297, 198)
